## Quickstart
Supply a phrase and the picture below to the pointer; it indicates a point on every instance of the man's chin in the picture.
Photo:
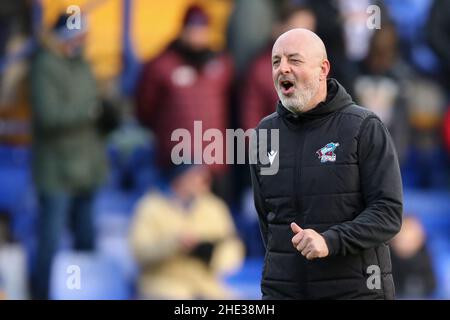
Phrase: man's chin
(293, 109)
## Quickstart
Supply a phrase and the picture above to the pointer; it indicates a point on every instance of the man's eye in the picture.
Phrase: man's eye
(275, 63)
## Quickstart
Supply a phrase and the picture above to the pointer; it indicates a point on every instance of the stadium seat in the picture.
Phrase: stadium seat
(246, 282)
(432, 208)
(117, 248)
(17, 195)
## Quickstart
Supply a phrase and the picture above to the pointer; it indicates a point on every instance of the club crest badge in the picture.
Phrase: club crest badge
(327, 153)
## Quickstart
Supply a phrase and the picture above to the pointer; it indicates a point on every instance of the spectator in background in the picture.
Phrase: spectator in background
(188, 82)
(382, 84)
(15, 46)
(259, 98)
(69, 159)
(330, 28)
(446, 130)
(412, 268)
(354, 23)
(410, 105)
(438, 32)
(184, 239)
(426, 162)
(410, 18)
(249, 29)
(15, 17)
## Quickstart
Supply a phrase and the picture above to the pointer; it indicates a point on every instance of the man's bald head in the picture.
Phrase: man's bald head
(299, 69)
(303, 40)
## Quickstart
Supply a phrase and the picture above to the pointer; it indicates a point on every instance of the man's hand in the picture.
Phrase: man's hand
(310, 243)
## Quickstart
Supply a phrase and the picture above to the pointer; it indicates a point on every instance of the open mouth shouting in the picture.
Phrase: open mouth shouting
(286, 86)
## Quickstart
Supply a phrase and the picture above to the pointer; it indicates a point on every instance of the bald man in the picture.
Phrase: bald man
(336, 200)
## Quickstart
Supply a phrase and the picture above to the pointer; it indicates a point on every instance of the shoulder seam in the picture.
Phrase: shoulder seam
(268, 118)
(367, 112)
(352, 114)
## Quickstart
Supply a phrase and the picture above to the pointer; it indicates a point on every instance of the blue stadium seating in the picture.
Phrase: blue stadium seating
(17, 196)
(246, 282)
(431, 207)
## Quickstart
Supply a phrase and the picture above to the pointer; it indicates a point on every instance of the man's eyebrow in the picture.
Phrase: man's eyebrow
(295, 55)
(291, 55)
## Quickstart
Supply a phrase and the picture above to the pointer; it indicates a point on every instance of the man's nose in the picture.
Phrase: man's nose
(285, 67)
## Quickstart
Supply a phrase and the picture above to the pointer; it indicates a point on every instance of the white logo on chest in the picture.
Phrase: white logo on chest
(272, 154)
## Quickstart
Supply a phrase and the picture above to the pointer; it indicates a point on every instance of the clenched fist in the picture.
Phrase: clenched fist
(310, 243)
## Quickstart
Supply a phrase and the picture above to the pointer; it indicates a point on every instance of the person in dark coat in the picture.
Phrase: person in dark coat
(438, 36)
(69, 155)
(335, 199)
(187, 82)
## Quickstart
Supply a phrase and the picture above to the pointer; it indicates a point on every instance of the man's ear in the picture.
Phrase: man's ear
(324, 69)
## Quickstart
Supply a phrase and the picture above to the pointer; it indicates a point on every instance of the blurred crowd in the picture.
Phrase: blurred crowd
(87, 114)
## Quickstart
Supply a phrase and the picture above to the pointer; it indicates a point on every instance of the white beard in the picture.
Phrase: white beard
(301, 98)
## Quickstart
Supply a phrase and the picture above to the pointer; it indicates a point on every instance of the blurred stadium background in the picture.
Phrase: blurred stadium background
(124, 34)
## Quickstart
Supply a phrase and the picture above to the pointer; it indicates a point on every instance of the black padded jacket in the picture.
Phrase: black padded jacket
(338, 174)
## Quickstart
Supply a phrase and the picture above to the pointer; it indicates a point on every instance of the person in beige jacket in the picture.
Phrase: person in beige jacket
(185, 240)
